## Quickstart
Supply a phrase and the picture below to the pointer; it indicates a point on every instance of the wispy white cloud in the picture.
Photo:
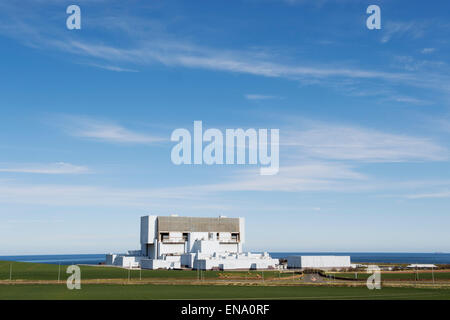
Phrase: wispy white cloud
(176, 53)
(193, 56)
(396, 29)
(52, 168)
(111, 68)
(337, 142)
(260, 97)
(432, 195)
(412, 64)
(308, 177)
(103, 131)
(147, 42)
(320, 176)
(428, 50)
(170, 51)
(314, 176)
(410, 100)
(76, 195)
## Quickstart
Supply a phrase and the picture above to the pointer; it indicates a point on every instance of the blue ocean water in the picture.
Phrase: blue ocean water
(63, 259)
(376, 257)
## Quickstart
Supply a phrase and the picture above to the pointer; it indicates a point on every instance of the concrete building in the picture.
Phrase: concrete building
(198, 243)
(318, 262)
(421, 266)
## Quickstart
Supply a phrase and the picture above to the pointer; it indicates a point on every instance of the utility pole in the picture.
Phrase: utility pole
(416, 275)
(10, 272)
(59, 270)
(432, 274)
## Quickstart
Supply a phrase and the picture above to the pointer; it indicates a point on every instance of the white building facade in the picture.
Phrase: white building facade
(191, 242)
(318, 262)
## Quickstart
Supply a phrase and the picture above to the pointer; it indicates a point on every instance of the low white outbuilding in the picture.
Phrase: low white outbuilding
(422, 266)
(318, 262)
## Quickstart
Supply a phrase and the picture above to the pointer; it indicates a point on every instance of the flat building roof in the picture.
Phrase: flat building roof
(197, 224)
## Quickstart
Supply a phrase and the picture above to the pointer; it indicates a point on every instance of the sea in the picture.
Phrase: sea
(375, 257)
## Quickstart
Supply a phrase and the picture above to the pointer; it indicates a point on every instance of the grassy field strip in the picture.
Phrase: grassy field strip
(37, 271)
(40, 281)
(344, 297)
(224, 283)
(340, 283)
(358, 297)
(398, 275)
(163, 292)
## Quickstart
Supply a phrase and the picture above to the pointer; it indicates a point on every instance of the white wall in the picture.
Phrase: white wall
(159, 264)
(124, 261)
(166, 248)
(148, 229)
(192, 245)
(224, 236)
(187, 259)
(236, 262)
(319, 262)
(242, 230)
(209, 246)
(229, 247)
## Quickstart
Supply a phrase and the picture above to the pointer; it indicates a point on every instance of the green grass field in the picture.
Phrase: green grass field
(93, 291)
(37, 271)
(397, 276)
(34, 271)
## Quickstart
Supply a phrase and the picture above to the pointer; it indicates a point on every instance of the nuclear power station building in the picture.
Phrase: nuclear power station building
(191, 242)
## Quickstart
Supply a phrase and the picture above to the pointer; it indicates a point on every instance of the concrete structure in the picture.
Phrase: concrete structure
(198, 243)
(318, 262)
(422, 266)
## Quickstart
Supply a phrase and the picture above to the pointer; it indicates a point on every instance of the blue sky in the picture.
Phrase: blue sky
(364, 119)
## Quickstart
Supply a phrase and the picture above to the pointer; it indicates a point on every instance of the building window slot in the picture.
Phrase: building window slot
(164, 236)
